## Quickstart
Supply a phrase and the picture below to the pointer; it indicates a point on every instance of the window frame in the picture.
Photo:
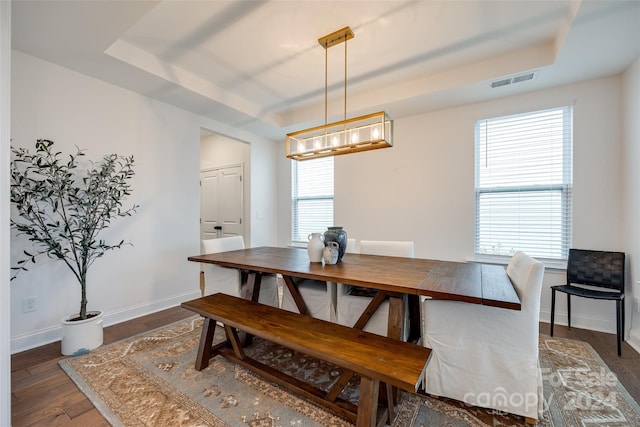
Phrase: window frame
(565, 188)
(296, 238)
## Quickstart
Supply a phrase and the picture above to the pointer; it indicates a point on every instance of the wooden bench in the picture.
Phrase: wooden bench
(376, 359)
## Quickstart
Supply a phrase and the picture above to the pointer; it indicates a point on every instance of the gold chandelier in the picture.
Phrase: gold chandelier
(363, 133)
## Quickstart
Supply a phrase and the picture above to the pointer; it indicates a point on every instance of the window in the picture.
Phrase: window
(311, 198)
(524, 184)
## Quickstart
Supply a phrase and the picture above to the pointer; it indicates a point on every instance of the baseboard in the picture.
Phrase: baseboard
(129, 313)
(53, 334)
(35, 339)
(634, 339)
(592, 323)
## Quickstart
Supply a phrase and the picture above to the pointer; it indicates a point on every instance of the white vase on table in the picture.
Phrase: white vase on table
(315, 247)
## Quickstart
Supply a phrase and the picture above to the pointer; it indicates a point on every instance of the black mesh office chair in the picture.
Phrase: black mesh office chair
(594, 269)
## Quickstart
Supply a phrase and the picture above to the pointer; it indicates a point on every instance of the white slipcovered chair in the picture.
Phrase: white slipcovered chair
(231, 281)
(350, 305)
(487, 356)
(318, 296)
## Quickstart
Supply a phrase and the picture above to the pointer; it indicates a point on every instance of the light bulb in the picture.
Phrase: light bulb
(354, 137)
(301, 147)
(317, 144)
(376, 133)
(335, 141)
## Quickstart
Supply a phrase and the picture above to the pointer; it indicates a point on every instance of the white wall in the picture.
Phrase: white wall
(219, 150)
(72, 109)
(422, 189)
(5, 294)
(284, 196)
(264, 194)
(631, 90)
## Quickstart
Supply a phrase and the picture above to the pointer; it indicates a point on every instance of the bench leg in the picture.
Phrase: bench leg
(344, 379)
(254, 281)
(388, 390)
(368, 403)
(233, 338)
(339, 385)
(206, 340)
(391, 404)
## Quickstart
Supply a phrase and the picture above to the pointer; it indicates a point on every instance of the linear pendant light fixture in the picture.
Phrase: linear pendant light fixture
(363, 133)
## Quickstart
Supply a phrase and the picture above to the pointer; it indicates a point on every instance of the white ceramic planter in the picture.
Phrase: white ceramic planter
(81, 336)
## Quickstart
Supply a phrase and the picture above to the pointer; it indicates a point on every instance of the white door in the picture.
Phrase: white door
(221, 204)
(208, 204)
(230, 200)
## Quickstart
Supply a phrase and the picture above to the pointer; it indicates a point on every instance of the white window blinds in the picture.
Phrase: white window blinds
(524, 184)
(312, 197)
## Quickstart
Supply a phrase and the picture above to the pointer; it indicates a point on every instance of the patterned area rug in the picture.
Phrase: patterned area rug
(149, 380)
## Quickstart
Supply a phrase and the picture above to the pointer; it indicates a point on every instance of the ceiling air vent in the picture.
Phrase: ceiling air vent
(514, 79)
(499, 83)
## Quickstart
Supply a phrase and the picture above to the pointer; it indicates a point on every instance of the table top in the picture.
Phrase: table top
(461, 281)
(472, 282)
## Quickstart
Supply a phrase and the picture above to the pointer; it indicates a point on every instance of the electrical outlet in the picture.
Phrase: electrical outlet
(29, 304)
(637, 301)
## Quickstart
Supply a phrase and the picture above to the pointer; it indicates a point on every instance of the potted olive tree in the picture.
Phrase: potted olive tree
(62, 208)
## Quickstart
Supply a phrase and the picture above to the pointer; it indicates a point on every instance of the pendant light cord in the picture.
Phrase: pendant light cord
(345, 80)
(326, 61)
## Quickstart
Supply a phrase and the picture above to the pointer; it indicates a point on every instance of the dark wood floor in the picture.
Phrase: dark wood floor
(43, 395)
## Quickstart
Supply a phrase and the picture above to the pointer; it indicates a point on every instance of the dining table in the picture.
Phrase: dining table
(394, 279)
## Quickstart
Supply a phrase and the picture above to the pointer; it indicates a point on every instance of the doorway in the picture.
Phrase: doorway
(224, 186)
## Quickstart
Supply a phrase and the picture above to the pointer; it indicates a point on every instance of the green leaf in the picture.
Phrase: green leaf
(62, 207)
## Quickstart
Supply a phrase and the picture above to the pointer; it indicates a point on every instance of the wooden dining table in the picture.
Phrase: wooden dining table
(393, 278)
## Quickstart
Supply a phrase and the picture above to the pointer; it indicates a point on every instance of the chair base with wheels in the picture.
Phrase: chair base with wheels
(600, 269)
